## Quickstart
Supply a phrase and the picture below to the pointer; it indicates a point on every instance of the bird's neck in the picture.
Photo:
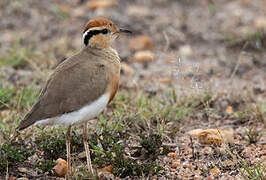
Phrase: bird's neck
(108, 53)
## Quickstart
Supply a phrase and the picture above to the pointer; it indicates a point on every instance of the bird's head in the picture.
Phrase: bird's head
(100, 32)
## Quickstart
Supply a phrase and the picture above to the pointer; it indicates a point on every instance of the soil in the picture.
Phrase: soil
(198, 46)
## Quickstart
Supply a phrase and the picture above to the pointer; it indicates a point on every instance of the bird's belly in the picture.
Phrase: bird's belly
(86, 113)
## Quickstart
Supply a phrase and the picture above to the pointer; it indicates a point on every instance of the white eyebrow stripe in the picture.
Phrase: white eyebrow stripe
(85, 34)
(91, 29)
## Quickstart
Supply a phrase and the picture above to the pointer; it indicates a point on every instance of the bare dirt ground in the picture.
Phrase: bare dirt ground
(206, 68)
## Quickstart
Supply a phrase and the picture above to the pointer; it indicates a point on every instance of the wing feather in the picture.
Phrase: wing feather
(76, 82)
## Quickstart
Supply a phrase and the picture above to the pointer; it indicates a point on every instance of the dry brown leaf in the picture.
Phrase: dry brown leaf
(215, 171)
(143, 56)
(171, 169)
(229, 163)
(215, 136)
(95, 4)
(209, 137)
(212, 136)
(175, 164)
(212, 139)
(172, 155)
(141, 43)
(61, 167)
(207, 150)
(165, 80)
(106, 172)
(108, 169)
(187, 149)
(12, 178)
(195, 132)
(22, 169)
(5, 113)
(126, 68)
(229, 110)
(209, 178)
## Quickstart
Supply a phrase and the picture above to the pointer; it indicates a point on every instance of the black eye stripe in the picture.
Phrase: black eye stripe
(104, 31)
(92, 33)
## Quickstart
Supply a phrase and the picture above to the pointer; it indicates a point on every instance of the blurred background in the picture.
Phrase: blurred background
(188, 64)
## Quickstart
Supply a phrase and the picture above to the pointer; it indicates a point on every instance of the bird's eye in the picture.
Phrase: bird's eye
(105, 31)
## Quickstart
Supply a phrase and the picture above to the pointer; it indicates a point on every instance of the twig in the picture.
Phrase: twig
(164, 144)
(167, 41)
(5, 104)
(7, 175)
(238, 62)
(192, 147)
(20, 99)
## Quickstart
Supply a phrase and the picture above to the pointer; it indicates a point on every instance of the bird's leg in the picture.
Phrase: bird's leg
(87, 150)
(69, 169)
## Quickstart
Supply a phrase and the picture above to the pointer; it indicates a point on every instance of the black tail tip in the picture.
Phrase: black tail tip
(19, 128)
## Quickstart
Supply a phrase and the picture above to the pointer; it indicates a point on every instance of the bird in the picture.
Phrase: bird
(81, 86)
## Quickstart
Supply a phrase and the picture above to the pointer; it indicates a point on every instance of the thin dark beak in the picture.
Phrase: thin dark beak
(121, 30)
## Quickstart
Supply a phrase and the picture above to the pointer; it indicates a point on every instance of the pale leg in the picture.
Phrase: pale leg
(87, 150)
(69, 169)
